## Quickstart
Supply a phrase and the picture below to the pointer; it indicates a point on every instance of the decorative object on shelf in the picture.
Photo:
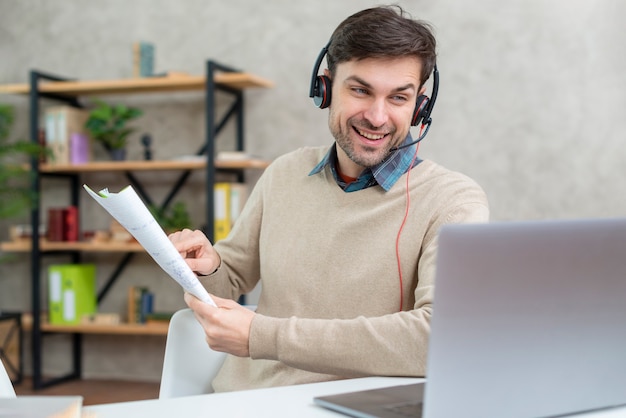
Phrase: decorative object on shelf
(101, 319)
(24, 232)
(107, 124)
(146, 141)
(143, 59)
(15, 193)
(118, 233)
(66, 136)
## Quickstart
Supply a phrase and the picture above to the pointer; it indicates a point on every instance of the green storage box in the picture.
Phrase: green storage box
(71, 292)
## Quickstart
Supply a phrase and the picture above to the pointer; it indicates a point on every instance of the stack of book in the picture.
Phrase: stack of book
(140, 304)
(63, 224)
(229, 199)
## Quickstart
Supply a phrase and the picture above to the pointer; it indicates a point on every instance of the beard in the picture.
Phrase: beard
(361, 154)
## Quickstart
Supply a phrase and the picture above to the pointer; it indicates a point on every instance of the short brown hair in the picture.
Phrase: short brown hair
(381, 32)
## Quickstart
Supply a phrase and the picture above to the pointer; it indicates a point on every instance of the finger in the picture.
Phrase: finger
(195, 304)
(189, 241)
(224, 303)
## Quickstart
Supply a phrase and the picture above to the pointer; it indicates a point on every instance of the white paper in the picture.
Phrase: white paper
(130, 211)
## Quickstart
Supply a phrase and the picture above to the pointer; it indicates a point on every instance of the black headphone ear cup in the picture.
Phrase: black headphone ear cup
(322, 92)
(420, 114)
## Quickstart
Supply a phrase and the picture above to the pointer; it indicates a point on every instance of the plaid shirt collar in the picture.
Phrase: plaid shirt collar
(385, 174)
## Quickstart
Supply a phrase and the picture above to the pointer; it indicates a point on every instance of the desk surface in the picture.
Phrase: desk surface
(288, 401)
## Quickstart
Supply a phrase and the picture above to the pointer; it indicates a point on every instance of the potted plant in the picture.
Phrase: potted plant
(107, 124)
(15, 193)
(16, 196)
(172, 219)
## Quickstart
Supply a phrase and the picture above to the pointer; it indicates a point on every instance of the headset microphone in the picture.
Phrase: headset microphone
(410, 144)
(423, 109)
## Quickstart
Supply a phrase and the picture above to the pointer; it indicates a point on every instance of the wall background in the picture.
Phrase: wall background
(531, 105)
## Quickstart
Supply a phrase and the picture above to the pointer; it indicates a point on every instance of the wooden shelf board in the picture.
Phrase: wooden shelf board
(99, 166)
(119, 329)
(25, 246)
(238, 81)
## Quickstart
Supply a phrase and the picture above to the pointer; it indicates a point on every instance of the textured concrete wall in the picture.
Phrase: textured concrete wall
(531, 105)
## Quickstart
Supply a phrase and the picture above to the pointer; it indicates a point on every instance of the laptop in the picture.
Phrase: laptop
(529, 320)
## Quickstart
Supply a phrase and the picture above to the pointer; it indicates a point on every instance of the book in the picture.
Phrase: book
(132, 213)
(221, 214)
(131, 316)
(80, 148)
(140, 302)
(238, 197)
(146, 304)
(56, 226)
(71, 230)
(229, 200)
(71, 292)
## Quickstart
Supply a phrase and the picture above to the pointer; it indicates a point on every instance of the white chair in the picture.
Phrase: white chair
(189, 365)
(6, 387)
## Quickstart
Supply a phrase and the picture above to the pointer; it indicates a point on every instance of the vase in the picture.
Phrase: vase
(118, 154)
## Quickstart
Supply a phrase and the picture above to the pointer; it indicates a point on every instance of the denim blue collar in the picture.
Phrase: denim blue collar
(385, 174)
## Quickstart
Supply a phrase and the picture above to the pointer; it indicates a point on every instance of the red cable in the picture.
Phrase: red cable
(406, 215)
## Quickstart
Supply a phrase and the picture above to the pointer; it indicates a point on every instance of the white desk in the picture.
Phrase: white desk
(288, 401)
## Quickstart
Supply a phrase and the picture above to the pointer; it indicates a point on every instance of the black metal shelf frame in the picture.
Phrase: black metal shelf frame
(213, 128)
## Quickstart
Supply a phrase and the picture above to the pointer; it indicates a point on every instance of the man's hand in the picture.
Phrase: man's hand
(227, 327)
(197, 251)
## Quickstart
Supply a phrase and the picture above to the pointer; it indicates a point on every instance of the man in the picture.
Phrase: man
(344, 239)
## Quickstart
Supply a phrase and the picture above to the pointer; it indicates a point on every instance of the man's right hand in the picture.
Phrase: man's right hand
(197, 251)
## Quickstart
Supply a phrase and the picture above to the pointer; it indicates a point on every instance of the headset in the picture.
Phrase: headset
(321, 86)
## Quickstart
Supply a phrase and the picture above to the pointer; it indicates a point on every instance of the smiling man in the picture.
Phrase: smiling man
(343, 239)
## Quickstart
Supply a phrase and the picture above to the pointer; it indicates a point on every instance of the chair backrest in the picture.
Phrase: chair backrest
(6, 387)
(189, 365)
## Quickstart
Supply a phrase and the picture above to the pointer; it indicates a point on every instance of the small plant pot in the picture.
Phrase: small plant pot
(118, 154)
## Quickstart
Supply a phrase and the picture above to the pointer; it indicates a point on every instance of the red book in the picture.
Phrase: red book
(70, 224)
(55, 224)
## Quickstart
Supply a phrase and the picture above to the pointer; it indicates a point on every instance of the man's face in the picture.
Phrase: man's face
(371, 109)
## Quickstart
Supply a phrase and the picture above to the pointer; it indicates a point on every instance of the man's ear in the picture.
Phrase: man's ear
(327, 73)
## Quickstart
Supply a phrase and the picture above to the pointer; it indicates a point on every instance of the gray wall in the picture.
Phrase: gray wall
(531, 105)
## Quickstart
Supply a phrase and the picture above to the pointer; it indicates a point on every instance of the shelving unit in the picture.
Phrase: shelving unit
(217, 78)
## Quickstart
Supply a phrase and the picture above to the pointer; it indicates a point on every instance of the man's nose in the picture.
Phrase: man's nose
(377, 113)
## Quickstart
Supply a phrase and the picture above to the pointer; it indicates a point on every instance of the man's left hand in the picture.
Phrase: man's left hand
(227, 327)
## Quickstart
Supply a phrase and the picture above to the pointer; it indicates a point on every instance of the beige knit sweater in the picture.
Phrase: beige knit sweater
(329, 306)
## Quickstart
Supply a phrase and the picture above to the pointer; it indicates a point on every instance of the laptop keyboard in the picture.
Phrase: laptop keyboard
(406, 409)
